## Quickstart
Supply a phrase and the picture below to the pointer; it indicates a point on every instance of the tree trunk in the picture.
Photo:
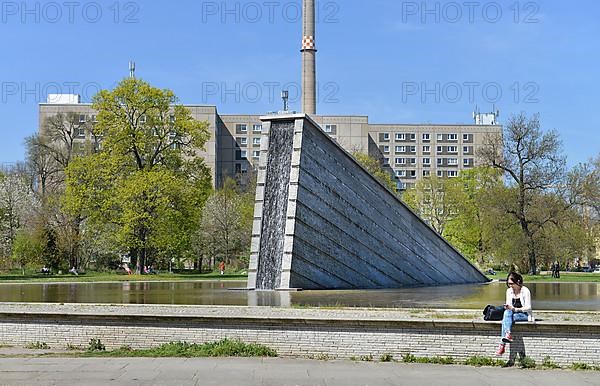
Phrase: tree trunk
(531, 255)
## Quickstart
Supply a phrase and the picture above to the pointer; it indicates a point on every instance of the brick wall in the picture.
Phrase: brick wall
(301, 337)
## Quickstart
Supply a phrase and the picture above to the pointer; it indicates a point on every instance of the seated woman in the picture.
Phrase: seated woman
(517, 308)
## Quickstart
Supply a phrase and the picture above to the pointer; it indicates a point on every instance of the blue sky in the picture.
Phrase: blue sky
(395, 61)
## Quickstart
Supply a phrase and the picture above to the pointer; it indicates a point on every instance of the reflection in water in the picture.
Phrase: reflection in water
(546, 296)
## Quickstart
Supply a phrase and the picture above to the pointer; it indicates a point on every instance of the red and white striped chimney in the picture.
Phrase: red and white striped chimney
(309, 55)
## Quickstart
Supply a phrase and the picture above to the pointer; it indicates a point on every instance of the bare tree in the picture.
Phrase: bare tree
(536, 173)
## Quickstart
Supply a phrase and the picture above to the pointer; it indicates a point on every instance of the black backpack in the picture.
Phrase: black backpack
(493, 312)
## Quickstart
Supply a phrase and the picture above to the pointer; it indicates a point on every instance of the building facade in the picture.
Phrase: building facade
(409, 151)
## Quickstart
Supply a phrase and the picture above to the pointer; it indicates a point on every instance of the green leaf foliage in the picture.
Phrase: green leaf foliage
(147, 180)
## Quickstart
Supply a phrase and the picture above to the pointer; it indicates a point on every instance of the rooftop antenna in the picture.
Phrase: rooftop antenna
(132, 70)
(285, 95)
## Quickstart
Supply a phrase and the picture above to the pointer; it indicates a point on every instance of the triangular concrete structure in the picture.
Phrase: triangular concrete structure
(321, 221)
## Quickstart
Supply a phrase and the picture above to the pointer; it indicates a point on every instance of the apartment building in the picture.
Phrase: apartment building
(409, 151)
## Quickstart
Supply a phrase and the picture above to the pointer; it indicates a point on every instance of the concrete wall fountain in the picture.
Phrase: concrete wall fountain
(321, 221)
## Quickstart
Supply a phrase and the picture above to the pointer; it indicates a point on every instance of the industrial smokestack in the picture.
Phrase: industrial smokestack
(309, 54)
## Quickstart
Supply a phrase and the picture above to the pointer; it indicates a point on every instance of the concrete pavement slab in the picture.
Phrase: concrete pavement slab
(271, 371)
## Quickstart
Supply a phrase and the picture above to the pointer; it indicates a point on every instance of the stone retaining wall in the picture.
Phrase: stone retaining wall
(308, 336)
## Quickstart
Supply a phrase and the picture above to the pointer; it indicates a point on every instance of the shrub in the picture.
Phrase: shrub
(37, 346)
(527, 362)
(483, 361)
(386, 358)
(409, 358)
(96, 345)
(580, 366)
(549, 364)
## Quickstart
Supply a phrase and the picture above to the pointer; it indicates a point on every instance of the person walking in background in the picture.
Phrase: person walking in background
(222, 267)
(517, 308)
(557, 268)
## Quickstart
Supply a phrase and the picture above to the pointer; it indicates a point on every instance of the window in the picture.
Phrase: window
(172, 118)
(256, 154)
(426, 149)
(256, 141)
(79, 148)
(412, 161)
(427, 161)
(452, 173)
(426, 173)
(412, 173)
(94, 118)
(172, 139)
(413, 149)
(386, 161)
(440, 161)
(330, 128)
(453, 161)
(242, 128)
(466, 149)
(386, 149)
(400, 149)
(241, 168)
(440, 137)
(386, 136)
(426, 137)
(81, 132)
(243, 140)
(143, 119)
(257, 128)
(452, 149)
(440, 149)
(243, 154)
(400, 136)
(400, 173)
(466, 137)
(82, 118)
(440, 173)
(400, 161)
(413, 136)
(452, 137)
(467, 161)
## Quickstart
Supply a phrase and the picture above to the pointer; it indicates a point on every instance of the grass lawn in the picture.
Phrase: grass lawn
(567, 277)
(92, 276)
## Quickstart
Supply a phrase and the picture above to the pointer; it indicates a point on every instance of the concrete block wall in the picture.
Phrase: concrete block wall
(344, 229)
(311, 337)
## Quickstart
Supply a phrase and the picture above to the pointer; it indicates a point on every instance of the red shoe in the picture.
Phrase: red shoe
(501, 349)
(507, 338)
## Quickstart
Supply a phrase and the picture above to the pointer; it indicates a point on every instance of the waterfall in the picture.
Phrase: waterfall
(275, 202)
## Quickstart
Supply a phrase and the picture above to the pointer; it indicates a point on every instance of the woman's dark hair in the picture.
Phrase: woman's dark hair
(516, 278)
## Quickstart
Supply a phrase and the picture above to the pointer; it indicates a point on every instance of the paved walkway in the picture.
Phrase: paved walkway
(272, 371)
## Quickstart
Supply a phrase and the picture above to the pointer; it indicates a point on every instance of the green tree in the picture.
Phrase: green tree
(226, 223)
(470, 228)
(27, 249)
(435, 200)
(147, 180)
(375, 167)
